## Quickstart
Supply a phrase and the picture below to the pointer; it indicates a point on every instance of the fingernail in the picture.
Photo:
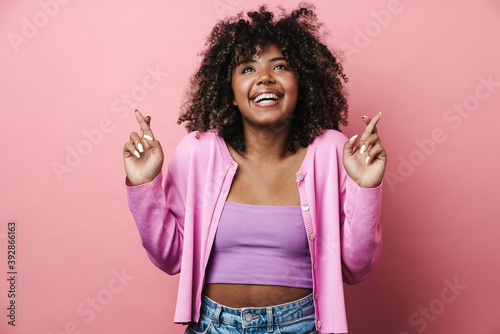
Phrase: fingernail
(367, 159)
(148, 137)
(141, 149)
(148, 115)
(380, 113)
(353, 137)
(137, 154)
(364, 116)
(136, 110)
(362, 149)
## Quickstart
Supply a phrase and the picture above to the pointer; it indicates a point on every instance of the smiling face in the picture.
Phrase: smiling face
(265, 90)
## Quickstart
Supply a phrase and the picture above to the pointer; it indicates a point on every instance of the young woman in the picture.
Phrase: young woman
(267, 209)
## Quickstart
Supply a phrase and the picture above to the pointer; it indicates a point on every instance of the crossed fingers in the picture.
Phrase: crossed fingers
(369, 140)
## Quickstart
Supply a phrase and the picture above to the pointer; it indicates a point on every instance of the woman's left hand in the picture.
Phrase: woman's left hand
(366, 166)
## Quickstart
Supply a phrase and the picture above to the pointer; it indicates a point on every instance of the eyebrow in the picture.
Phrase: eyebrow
(254, 61)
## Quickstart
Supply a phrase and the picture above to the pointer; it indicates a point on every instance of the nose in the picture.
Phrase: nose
(265, 77)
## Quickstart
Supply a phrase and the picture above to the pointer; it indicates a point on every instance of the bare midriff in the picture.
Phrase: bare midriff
(253, 295)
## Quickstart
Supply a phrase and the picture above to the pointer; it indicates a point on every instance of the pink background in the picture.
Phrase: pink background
(64, 78)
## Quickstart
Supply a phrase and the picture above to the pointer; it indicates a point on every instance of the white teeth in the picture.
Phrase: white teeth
(266, 96)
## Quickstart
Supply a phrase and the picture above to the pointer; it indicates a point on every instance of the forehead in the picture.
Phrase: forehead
(271, 49)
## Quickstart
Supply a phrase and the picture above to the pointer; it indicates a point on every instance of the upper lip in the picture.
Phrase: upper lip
(266, 91)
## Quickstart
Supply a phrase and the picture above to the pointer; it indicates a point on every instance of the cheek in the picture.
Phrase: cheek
(240, 90)
(292, 84)
(235, 86)
(294, 89)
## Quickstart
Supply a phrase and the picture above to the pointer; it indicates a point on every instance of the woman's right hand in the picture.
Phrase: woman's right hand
(143, 156)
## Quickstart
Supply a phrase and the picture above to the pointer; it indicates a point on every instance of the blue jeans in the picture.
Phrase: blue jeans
(295, 317)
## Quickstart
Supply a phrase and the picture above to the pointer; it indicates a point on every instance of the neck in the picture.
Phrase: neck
(267, 144)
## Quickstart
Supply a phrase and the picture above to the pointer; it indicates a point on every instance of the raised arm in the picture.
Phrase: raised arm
(158, 212)
(361, 196)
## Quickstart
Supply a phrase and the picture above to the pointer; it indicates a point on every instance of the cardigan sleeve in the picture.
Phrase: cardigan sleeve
(159, 215)
(360, 230)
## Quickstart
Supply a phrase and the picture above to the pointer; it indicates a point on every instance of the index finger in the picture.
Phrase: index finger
(145, 129)
(371, 127)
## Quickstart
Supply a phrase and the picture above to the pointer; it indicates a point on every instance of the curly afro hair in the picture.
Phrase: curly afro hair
(208, 103)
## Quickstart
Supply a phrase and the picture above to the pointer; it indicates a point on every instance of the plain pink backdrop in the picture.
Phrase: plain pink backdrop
(73, 71)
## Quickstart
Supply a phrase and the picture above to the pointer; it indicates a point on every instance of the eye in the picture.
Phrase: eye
(281, 67)
(247, 69)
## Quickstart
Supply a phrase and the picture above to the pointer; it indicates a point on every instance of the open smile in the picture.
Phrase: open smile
(266, 97)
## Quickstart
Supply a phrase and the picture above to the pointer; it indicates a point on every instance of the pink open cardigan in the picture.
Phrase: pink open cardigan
(177, 223)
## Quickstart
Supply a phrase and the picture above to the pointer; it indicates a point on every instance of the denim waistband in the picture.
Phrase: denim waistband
(257, 316)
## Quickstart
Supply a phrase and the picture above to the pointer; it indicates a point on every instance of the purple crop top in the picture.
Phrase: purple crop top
(257, 244)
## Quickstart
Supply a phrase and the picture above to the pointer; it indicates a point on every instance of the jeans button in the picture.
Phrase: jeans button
(248, 317)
